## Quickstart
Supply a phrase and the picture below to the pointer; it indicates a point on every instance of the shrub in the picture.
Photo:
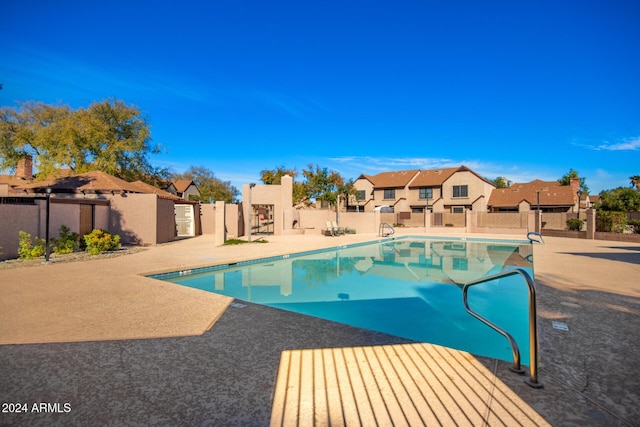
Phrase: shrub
(240, 242)
(612, 222)
(99, 241)
(28, 249)
(574, 224)
(634, 223)
(67, 242)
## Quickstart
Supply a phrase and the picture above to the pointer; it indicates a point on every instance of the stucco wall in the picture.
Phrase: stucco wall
(476, 188)
(15, 218)
(367, 204)
(166, 220)
(134, 218)
(315, 220)
(59, 214)
(234, 221)
(362, 222)
(208, 218)
(101, 217)
(32, 219)
(279, 196)
(415, 200)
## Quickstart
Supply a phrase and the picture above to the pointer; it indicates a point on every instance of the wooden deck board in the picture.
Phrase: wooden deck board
(408, 384)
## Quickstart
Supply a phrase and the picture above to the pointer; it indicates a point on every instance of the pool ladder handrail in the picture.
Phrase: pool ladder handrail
(533, 330)
(382, 227)
(536, 234)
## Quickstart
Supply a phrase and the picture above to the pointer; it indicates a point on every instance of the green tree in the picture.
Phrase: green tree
(274, 176)
(620, 199)
(499, 182)
(109, 136)
(566, 180)
(635, 181)
(325, 185)
(210, 187)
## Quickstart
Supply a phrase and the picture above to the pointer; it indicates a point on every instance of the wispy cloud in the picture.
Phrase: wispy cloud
(48, 72)
(628, 144)
(368, 163)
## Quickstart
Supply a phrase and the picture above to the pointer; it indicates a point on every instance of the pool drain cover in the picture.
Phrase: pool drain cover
(560, 326)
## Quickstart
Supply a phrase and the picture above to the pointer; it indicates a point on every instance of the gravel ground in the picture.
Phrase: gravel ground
(72, 257)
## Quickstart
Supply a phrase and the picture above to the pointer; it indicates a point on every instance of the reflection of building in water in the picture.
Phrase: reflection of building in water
(445, 262)
(456, 262)
(260, 275)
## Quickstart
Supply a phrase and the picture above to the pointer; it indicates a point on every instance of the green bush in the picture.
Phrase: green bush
(574, 224)
(99, 241)
(28, 249)
(635, 223)
(612, 222)
(67, 242)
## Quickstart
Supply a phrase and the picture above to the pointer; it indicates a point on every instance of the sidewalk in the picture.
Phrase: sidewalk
(125, 349)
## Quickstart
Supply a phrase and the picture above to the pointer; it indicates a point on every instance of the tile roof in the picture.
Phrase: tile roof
(551, 194)
(182, 184)
(433, 177)
(12, 180)
(148, 188)
(391, 179)
(94, 181)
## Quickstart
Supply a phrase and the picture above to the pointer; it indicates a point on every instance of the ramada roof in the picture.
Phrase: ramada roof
(93, 182)
(551, 194)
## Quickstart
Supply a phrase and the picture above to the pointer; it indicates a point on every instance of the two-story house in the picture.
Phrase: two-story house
(384, 189)
(439, 190)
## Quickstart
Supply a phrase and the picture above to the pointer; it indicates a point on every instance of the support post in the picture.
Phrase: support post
(48, 213)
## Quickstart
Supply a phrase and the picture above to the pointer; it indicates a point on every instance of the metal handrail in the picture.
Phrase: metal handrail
(535, 233)
(381, 229)
(533, 329)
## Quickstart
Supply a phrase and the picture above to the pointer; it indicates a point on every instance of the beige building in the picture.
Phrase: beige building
(454, 190)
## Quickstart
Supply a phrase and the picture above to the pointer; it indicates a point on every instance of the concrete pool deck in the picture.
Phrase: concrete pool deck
(123, 349)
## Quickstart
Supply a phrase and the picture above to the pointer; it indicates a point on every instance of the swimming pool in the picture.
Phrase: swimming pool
(409, 287)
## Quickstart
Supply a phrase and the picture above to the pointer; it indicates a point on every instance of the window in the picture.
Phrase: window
(460, 191)
(426, 193)
(361, 195)
(461, 264)
(457, 209)
(389, 194)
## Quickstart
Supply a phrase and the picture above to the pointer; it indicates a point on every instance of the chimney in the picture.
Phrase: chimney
(24, 169)
(575, 184)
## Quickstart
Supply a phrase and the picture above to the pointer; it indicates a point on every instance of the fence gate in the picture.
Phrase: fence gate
(437, 219)
(87, 219)
(184, 220)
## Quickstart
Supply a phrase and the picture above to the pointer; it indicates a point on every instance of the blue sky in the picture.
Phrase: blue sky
(519, 89)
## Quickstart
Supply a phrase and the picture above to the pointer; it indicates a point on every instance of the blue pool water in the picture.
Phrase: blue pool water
(409, 287)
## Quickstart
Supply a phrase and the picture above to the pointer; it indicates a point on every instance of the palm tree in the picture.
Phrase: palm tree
(635, 181)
